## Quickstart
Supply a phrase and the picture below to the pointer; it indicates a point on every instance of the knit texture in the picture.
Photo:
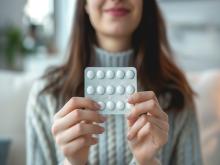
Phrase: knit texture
(183, 147)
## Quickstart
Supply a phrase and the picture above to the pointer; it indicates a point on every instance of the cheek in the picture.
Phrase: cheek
(94, 10)
(95, 6)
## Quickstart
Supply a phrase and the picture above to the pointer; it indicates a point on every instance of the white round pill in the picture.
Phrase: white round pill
(120, 105)
(110, 89)
(110, 74)
(120, 74)
(100, 74)
(102, 105)
(100, 90)
(130, 89)
(110, 105)
(120, 90)
(90, 74)
(90, 90)
(129, 74)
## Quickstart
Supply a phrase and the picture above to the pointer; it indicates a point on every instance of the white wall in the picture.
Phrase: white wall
(195, 11)
(11, 11)
(64, 10)
(194, 33)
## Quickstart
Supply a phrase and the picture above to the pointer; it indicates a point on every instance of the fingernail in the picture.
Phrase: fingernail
(130, 99)
(97, 106)
(102, 129)
(129, 116)
(129, 136)
(103, 118)
(95, 140)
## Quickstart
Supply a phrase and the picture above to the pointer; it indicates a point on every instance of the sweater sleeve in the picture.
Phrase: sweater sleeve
(188, 151)
(40, 145)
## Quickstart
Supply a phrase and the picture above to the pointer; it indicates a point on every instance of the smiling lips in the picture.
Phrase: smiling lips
(117, 12)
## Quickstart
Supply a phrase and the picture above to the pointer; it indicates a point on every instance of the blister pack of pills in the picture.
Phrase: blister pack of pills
(110, 87)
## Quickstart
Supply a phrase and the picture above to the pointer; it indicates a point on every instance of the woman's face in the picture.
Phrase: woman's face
(115, 18)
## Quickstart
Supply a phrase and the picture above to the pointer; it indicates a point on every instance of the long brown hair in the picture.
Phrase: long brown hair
(153, 59)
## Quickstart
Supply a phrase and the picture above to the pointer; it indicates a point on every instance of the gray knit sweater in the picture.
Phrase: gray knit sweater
(183, 147)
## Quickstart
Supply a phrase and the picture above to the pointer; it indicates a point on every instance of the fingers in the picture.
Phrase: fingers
(74, 146)
(159, 137)
(144, 103)
(145, 130)
(136, 127)
(75, 117)
(150, 106)
(77, 103)
(141, 97)
(75, 123)
(146, 120)
(163, 125)
(76, 131)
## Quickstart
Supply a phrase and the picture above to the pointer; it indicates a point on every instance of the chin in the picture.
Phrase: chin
(119, 31)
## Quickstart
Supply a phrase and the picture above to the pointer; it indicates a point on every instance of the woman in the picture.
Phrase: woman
(61, 122)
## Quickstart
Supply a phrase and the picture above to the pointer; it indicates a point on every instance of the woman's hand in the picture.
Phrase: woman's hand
(73, 128)
(148, 127)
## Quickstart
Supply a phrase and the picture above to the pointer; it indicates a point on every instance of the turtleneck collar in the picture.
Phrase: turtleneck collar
(103, 58)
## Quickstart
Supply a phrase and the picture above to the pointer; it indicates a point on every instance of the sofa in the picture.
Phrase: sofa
(14, 89)
(207, 87)
(15, 86)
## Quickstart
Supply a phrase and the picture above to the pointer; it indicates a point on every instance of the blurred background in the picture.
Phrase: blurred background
(34, 35)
